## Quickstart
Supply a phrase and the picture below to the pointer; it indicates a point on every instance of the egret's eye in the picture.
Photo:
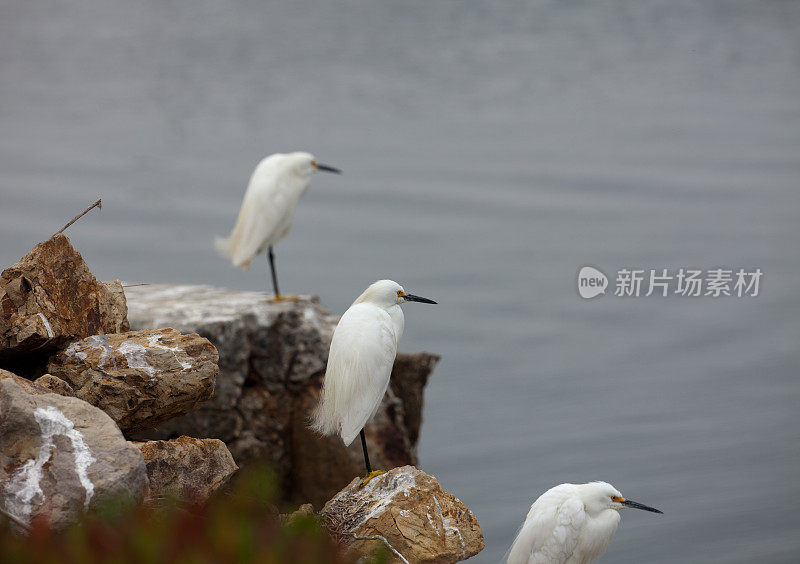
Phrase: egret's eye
(399, 293)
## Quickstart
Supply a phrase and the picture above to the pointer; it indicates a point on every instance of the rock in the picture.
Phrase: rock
(49, 298)
(408, 510)
(186, 467)
(140, 378)
(59, 455)
(24, 383)
(272, 363)
(304, 511)
(55, 385)
(409, 376)
(120, 304)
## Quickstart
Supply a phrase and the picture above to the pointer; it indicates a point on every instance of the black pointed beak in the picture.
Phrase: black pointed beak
(635, 505)
(328, 168)
(413, 298)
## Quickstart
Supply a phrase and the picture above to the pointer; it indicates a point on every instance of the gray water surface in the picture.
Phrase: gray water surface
(489, 150)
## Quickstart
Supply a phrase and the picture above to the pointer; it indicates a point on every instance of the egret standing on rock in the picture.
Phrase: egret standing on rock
(570, 524)
(360, 361)
(268, 208)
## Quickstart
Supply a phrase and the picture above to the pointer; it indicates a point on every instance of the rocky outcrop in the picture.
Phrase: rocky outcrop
(62, 450)
(406, 511)
(140, 378)
(272, 363)
(50, 297)
(59, 455)
(186, 468)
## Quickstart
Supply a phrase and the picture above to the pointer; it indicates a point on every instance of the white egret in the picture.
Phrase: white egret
(360, 362)
(570, 524)
(268, 206)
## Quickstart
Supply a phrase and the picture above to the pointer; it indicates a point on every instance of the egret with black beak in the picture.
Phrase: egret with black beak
(267, 209)
(360, 361)
(570, 524)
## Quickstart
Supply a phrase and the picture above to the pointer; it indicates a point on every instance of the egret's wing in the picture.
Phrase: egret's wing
(360, 363)
(551, 530)
(267, 205)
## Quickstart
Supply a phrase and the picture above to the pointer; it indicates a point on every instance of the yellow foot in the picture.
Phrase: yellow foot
(285, 298)
(371, 475)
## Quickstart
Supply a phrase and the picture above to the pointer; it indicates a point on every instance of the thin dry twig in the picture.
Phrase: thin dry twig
(16, 520)
(98, 204)
(386, 542)
(132, 285)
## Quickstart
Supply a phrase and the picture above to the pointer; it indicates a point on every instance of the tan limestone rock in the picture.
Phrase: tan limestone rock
(55, 385)
(186, 467)
(50, 297)
(59, 456)
(408, 510)
(140, 378)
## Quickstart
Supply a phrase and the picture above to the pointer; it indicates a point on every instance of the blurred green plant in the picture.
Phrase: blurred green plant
(240, 524)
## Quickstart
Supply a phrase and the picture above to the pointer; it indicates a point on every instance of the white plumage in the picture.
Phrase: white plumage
(268, 207)
(360, 360)
(570, 524)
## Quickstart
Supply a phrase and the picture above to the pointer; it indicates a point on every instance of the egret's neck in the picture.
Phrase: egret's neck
(398, 320)
(303, 182)
(597, 533)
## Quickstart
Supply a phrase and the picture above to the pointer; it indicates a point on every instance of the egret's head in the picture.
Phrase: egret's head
(305, 164)
(599, 496)
(386, 293)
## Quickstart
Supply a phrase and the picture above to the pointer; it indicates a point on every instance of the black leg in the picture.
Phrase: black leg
(271, 257)
(366, 455)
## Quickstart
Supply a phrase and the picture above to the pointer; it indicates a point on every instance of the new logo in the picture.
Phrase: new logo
(591, 282)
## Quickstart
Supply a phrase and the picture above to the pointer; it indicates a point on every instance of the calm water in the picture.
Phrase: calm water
(489, 153)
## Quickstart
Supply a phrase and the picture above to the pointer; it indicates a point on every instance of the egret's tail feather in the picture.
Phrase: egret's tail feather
(226, 247)
(349, 436)
(324, 420)
(223, 245)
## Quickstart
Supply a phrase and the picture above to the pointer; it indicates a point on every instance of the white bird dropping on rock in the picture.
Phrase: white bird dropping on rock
(268, 206)
(360, 361)
(570, 524)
